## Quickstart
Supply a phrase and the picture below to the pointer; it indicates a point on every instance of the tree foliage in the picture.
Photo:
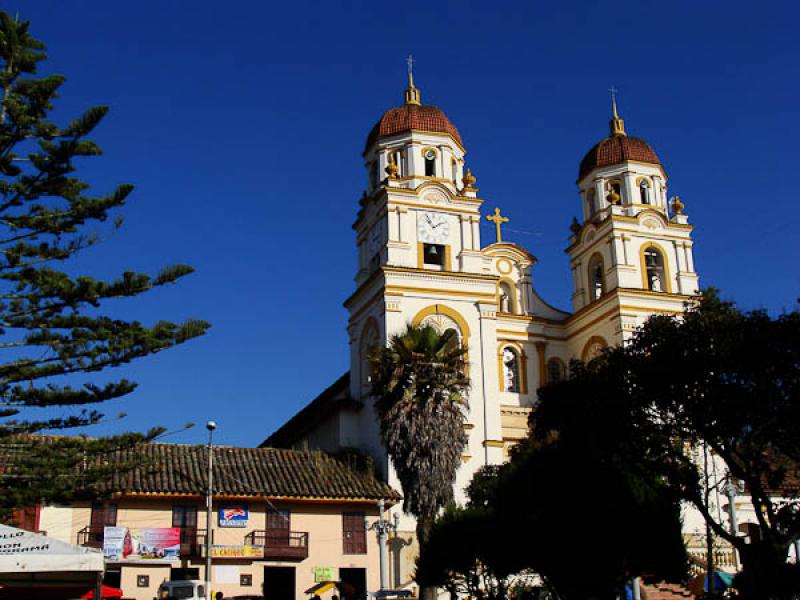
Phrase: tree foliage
(729, 380)
(419, 386)
(52, 329)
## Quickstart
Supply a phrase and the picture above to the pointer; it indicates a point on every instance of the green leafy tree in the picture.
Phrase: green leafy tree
(728, 380)
(578, 503)
(420, 386)
(51, 322)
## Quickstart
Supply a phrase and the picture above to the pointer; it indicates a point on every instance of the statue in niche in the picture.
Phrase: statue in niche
(505, 300)
(655, 282)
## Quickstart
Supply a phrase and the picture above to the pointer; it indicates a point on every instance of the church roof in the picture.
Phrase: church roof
(614, 150)
(413, 117)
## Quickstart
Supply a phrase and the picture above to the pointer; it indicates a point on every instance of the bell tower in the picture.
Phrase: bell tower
(631, 253)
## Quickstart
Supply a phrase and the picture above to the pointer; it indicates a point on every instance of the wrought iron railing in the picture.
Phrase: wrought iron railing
(280, 545)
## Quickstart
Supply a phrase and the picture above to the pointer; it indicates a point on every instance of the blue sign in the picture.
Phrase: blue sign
(234, 515)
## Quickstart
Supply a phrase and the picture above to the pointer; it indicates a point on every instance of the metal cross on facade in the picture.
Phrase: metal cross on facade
(498, 220)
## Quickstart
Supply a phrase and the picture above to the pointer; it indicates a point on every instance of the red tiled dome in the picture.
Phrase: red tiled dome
(408, 117)
(614, 150)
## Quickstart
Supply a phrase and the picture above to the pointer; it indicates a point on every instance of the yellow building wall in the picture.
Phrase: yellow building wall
(322, 520)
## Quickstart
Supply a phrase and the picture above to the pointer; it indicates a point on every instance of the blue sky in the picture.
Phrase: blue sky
(242, 125)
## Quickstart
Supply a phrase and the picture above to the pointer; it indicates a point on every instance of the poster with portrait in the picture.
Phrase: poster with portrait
(141, 544)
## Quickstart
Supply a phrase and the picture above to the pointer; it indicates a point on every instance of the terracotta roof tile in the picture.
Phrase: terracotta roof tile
(614, 150)
(410, 117)
(181, 469)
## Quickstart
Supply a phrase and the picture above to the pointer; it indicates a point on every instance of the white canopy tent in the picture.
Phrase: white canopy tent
(32, 561)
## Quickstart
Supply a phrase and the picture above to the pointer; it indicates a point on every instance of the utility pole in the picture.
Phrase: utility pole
(211, 426)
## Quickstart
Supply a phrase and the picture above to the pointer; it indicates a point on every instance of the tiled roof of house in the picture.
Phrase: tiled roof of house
(333, 398)
(181, 469)
(412, 117)
(614, 150)
(666, 591)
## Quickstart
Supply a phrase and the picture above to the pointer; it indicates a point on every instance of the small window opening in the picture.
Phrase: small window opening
(430, 163)
(654, 268)
(644, 192)
(510, 371)
(596, 287)
(433, 254)
(454, 168)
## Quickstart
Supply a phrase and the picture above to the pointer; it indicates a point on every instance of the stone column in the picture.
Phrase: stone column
(540, 353)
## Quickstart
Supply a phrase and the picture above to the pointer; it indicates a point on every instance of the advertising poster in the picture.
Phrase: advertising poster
(146, 544)
(233, 515)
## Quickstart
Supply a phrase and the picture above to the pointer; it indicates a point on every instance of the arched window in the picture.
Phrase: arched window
(505, 300)
(510, 370)
(430, 162)
(644, 192)
(555, 370)
(655, 274)
(454, 169)
(596, 278)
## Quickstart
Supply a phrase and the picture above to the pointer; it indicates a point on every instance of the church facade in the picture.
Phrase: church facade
(421, 260)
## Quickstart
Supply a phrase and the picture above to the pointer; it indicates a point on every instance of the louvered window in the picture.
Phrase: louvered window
(354, 533)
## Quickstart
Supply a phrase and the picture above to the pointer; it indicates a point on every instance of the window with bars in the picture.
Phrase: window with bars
(354, 533)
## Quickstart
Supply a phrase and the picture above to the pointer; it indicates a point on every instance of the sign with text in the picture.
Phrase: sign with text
(146, 544)
(234, 515)
(235, 551)
(322, 574)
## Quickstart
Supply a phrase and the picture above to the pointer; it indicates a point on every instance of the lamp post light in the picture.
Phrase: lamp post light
(211, 426)
(382, 526)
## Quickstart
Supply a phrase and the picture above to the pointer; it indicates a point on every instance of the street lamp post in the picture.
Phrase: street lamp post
(382, 527)
(211, 426)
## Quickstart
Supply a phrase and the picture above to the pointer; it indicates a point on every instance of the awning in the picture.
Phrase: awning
(321, 587)
(27, 552)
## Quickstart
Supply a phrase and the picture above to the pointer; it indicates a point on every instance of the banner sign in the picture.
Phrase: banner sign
(322, 574)
(235, 551)
(233, 515)
(145, 544)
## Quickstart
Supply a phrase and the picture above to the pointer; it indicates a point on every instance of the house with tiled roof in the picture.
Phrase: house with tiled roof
(282, 520)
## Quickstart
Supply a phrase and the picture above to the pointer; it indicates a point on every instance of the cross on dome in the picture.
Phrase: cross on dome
(498, 220)
(412, 93)
(617, 124)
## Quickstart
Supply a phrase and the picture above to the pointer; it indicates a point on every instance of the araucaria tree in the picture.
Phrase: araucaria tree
(420, 387)
(51, 325)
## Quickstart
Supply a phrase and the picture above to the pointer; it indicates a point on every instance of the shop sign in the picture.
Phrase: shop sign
(236, 551)
(234, 515)
(322, 574)
(152, 544)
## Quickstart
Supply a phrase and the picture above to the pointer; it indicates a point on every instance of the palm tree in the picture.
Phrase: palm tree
(420, 386)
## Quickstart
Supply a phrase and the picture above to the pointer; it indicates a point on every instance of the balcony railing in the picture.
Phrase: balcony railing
(192, 540)
(280, 545)
(724, 554)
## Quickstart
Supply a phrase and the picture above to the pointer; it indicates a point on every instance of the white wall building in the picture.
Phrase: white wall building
(421, 260)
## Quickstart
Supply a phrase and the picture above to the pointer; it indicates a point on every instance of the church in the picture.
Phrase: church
(421, 260)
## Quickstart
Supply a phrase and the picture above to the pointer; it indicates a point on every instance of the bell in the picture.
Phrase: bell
(434, 251)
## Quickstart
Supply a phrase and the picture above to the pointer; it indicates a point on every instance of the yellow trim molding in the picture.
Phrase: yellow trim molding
(493, 443)
(441, 309)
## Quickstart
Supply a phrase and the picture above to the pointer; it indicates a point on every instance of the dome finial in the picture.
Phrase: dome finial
(617, 124)
(413, 95)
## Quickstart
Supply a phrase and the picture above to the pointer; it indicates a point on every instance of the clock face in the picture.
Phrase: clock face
(432, 228)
